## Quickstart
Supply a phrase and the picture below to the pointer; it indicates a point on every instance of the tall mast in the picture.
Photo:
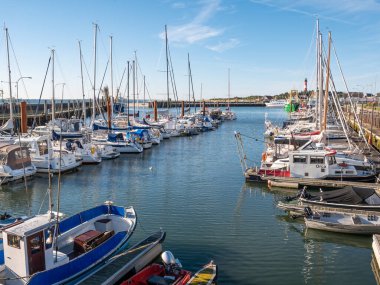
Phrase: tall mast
(53, 88)
(229, 89)
(81, 75)
(111, 76)
(134, 87)
(167, 65)
(93, 87)
(144, 93)
(9, 78)
(137, 81)
(317, 75)
(320, 89)
(327, 86)
(188, 64)
(128, 92)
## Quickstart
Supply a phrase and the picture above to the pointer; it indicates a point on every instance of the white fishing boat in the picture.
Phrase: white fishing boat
(15, 163)
(276, 103)
(343, 222)
(41, 250)
(45, 158)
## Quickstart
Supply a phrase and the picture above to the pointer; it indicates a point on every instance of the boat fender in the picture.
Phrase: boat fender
(269, 183)
(92, 149)
(308, 212)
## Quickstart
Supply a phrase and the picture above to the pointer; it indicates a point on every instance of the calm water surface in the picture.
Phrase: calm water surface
(194, 189)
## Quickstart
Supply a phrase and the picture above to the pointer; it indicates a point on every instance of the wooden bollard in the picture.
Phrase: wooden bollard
(155, 111)
(24, 118)
(182, 109)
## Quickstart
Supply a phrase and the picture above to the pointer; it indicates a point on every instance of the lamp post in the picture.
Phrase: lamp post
(22, 77)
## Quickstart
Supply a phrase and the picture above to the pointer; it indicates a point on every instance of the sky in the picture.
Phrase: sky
(268, 45)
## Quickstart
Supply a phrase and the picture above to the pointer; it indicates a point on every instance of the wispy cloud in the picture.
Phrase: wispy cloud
(336, 10)
(179, 5)
(197, 30)
(223, 46)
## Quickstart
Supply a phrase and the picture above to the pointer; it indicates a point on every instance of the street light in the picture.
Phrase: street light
(17, 84)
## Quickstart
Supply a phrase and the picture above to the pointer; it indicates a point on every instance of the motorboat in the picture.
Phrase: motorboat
(45, 250)
(15, 162)
(45, 158)
(342, 222)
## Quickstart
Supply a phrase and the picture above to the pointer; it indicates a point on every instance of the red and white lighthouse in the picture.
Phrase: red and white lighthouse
(305, 85)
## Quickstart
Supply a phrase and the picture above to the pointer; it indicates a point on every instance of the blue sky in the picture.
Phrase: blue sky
(268, 45)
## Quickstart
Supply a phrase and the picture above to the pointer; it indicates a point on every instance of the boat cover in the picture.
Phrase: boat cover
(348, 195)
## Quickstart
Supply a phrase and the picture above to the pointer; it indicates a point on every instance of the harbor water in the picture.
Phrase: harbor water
(193, 188)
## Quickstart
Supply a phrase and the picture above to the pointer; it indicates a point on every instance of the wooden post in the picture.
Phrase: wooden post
(45, 110)
(24, 118)
(155, 111)
(204, 108)
(182, 109)
(361, 116)
(371, 134)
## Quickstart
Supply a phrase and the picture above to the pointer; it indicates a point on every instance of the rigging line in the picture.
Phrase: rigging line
(39, 100)
(56, 56)
(59, 193)
(88, 74)
(100, 89)
(349, 96)
(23, 167)
(252, 138)
(18, 67)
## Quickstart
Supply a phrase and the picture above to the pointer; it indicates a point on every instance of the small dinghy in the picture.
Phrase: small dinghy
(343, 222)
(205, 276)
(170, 272)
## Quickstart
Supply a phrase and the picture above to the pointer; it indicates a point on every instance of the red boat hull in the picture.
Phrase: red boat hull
(156, 272)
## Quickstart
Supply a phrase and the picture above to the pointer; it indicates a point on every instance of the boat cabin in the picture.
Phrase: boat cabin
(28, 246)
(14, 156)
(317, 163)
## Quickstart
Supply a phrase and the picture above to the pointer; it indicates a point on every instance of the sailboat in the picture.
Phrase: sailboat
(41, 251)
(228, 114)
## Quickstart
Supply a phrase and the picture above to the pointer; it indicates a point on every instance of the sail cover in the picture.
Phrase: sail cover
(7, 126)
(348, 195)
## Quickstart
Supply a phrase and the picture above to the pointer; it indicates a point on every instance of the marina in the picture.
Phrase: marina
(170, 154)
(237, 212)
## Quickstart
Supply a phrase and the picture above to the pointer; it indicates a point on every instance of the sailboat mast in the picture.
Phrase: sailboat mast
(167, 64)
(144, 93)
(93, 87)
(128, 91)
(320, 89)
(53, 87)
(81, 75)
(188, 63)
(9, 77)
(229, 89)
(111, 77)
(134, 86)
(317, 75)
(325, 104)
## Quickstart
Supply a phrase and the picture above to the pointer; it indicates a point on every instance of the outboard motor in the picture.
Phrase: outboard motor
(170, 263)
(308, 212)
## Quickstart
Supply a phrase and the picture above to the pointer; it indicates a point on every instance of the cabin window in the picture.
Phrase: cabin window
(21, 154)
(349, 172)
(331, 160)
(14, 241)
(43, 147)
(317, 160)
(299, 158)
(35, 244)
(338, 172)
(322, 170)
